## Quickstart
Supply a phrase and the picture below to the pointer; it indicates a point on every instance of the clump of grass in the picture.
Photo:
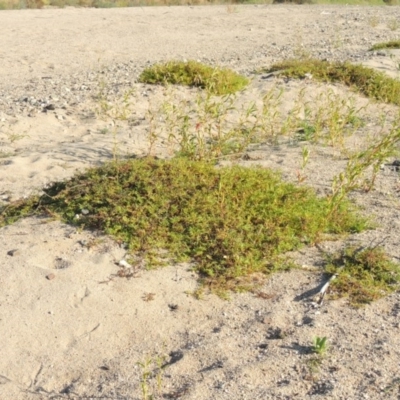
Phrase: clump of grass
(363, 275)
(365, 80)
(393, 44)
(231, 221)
(219, 81)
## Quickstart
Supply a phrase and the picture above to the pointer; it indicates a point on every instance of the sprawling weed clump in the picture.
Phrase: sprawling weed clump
(365, 80)
(393, 44)
(363, 275)
(230, 221)
(217, 81)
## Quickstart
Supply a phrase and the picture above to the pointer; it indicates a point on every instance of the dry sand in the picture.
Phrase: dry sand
(69, 327)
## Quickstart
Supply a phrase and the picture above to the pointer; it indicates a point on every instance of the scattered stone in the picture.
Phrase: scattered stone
(50, 277)
(217, 364)
(60, 263)
(49, 107)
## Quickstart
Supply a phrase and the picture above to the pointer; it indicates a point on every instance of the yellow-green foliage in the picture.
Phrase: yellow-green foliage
(365, 80)
(231, 221)
(218, 81)
(393, 44)
(364, 275)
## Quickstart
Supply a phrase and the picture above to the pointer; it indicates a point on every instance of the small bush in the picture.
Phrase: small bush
(218, 81)
(365, 80)
(231, 221)
(364, 275)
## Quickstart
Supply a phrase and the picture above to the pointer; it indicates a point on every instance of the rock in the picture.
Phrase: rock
(49, 107)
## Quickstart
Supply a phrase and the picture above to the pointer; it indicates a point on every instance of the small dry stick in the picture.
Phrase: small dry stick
(319, 297)
(126, 271)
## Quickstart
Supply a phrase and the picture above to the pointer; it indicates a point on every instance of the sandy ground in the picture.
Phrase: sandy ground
(69, 326)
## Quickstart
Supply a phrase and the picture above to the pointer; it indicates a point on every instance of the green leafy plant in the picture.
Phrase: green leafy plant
(320, 345)
(211, 128)
(219, 81)
(306, 131)
(372, 157)
(363, 274)
(145, 377)
(231, 221)
(329, 119)
(204, 130)
(305, 152)
(365, 80)
(318, 348)
(152, 369)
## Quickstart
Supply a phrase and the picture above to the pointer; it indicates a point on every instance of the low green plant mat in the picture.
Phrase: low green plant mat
(393, 44)
(365, 80)
(363, 275)
(219, 81)
(231, 221)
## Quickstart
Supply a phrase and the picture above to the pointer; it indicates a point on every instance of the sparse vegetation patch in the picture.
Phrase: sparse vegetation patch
(363, 275)
(365, 80)
(217, 81)
(393, 44)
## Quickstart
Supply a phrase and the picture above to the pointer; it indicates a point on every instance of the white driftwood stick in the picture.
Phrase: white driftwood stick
(124, 264)
(319, 297)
